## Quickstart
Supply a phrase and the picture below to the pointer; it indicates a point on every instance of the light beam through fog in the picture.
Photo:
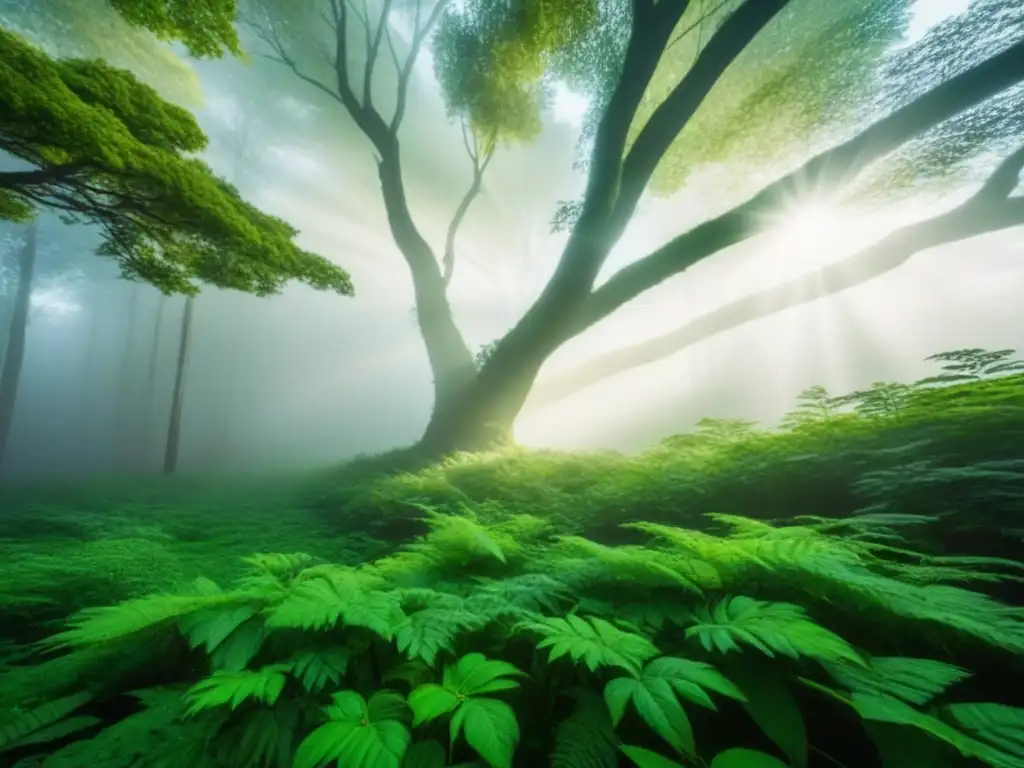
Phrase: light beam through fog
(306, 378)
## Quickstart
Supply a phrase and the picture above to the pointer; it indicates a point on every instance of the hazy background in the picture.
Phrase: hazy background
(305, 379)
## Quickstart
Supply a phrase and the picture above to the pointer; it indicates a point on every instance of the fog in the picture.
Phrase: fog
(306, 379)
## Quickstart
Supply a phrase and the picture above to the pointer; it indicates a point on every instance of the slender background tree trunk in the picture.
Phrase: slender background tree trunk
(14, 357)
(178, 398)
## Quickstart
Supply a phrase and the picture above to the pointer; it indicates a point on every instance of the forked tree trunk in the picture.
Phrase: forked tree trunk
(14, 356)
(178, 398)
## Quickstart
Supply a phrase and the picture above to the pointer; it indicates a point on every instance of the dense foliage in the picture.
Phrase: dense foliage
(571, 611)
(103, 148)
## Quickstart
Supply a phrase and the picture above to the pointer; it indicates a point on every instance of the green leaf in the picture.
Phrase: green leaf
(647, 759)
(887, 709)
(429, 701)
(690, 678)
(996, 724)
(491, 729)
(425, 633)
(657, 705)
(916, 681)
(360, 734)
(586, 739)
(474, 674)
(425, 754)
(318, 667)
(745, 758)
(232, 688)
(770, 627)
(772, 706)
(594, 641)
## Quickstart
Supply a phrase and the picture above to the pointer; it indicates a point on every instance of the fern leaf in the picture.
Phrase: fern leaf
(339, 596)
(996, 724)
(232, 688)
(657, 706)
(241, 646)
(212, 627)
(426, 633)
(770, 627)
(594, 641)
(642, 566)
(916, 681)
(586, 739)
(887, 709)
(474, 674)
(103, 624)
(316, 668)
(18, 725)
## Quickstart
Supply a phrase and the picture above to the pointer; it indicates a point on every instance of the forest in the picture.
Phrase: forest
(257, 512)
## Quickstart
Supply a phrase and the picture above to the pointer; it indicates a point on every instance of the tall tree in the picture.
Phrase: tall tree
(172, 448)
(98, 146)
(676, 85)
(14, 358)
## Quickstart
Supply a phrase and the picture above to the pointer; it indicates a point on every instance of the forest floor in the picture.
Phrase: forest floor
(944, 467)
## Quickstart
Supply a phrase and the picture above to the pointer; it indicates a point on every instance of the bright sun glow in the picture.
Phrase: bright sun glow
(927, 14)
(569, 106)
(808, 226)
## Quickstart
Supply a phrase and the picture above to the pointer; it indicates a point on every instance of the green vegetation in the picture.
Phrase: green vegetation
(528, 608)
(103, 148)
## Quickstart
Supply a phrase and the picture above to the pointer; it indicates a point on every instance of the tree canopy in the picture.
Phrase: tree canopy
(104, 148)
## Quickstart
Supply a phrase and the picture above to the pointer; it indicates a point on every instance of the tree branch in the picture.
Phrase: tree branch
(989, 210)
(672, 115)
(373, 48)
(38, 176)
(828, 171)
(419, 35)
(481, 159)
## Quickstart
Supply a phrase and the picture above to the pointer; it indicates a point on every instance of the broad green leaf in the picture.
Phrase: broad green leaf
(360, 734)
(429, 701)
(657, 705)
(772, 706)
(746, 758)
(474, 674)
(491, 729)
(647, 759)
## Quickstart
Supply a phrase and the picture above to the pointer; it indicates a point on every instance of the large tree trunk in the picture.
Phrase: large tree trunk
(451, 361)
(178, 398)
(14, 357)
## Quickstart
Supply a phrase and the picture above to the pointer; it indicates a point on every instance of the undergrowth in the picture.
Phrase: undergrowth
(501, 645)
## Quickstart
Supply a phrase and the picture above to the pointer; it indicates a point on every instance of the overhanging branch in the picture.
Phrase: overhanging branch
(989, 210)
(481, 157)
(826, 171)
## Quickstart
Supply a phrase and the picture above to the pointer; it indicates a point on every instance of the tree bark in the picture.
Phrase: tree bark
(14, 358)
(178, 398)
(489, 404)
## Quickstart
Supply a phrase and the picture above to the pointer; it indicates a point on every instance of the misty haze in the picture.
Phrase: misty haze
(603, 338)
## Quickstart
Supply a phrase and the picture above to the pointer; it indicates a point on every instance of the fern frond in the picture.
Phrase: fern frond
(426, 633)
(772, 628)
(232, 688)
(594, 641)
(998, 725)
(916, 681)
(322, 600)
(645, 567)
(528, 593)
(99, 625)
(586, 739)
(18, 726)
(315, 668)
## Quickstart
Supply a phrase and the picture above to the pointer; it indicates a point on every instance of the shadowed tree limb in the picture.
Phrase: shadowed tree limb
(827, 171)
(481, 157)
(989, 210)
